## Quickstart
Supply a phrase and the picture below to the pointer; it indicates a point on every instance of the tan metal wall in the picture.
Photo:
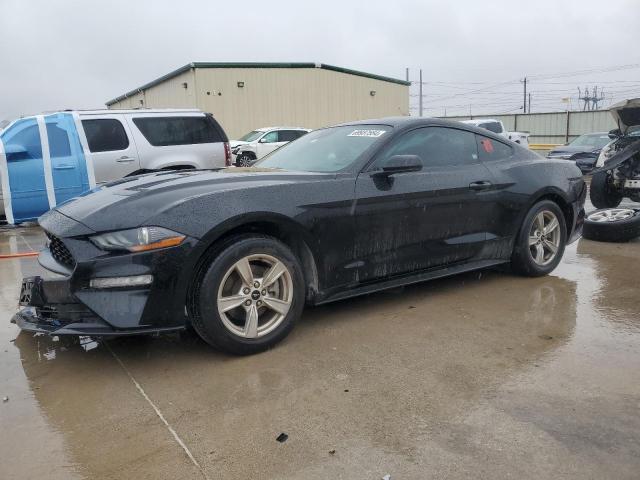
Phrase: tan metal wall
(304, 97)
(552, 127)
(168, 94)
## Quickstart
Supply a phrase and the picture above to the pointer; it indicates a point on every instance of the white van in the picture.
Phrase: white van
(117, 143)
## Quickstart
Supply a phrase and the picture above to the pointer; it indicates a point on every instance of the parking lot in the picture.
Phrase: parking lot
(483, 375)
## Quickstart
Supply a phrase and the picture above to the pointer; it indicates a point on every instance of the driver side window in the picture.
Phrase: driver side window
(436, 146)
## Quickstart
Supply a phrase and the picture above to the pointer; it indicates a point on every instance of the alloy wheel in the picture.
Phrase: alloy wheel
(255, 295)
(544, 237)
(244, 161)
(611, 215)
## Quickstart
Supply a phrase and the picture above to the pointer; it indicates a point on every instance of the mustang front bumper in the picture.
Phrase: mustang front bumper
(50, 308)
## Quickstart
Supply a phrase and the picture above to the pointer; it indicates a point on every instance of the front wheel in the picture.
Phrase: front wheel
(247, 297)
(540, 243)
(601, 192)
(244, 160)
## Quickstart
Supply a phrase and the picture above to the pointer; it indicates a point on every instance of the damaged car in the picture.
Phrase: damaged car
(617, 172)
(343, 211)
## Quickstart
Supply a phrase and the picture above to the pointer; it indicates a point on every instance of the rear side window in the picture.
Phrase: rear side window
(167, 131)
(287, 135)
(490, 149)
(105, 135)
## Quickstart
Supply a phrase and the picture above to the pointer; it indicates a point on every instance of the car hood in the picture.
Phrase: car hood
(626, 113)
(235, 143)
(133, 201)
(568, 149)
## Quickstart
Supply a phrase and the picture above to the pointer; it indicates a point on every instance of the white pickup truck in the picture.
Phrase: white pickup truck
(496, 126)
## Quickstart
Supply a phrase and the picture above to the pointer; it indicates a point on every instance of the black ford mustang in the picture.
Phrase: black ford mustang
(340, 212)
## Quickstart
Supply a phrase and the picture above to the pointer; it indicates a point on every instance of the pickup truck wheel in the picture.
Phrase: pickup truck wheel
(601, 192)
(541, 240)
(612, 225)
(248, 295)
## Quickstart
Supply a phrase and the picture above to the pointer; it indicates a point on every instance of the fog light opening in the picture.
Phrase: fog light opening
(119, 282)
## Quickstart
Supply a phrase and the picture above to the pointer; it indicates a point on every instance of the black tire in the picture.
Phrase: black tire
(522, 260)
(611, 231)
(601, 193)
(202, 305)
(244, 160)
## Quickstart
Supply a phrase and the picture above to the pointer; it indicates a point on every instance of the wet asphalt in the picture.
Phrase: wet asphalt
(483, 375)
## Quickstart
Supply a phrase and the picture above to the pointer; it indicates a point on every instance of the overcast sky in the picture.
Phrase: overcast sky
(57, 54)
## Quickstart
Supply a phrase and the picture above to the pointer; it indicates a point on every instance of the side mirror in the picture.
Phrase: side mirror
(615, 133)
(401, 164)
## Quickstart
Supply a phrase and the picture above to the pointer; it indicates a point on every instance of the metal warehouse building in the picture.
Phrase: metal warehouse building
(245, 96)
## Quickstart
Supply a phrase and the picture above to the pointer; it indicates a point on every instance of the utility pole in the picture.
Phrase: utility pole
(420, 108)
(524, 105)
(407, 74)
(529, 107)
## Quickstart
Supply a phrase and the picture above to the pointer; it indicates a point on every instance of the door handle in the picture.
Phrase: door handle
(63, 167)
(125, 159)
(480, 185)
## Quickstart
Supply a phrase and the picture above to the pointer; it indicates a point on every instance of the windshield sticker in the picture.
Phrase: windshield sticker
(366, 133)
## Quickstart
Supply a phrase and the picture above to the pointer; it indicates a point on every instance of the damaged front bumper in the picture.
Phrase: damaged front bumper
(50, 308)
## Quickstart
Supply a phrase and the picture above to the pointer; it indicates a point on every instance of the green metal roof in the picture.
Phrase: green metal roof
(191, 65)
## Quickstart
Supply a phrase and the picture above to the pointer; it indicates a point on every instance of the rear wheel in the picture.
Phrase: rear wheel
(247, 297)
(602, 193)
(541, 241)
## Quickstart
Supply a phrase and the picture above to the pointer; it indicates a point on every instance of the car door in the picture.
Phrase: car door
(420, 220)
(268, 143)
(113, 151)
(498, 157)
(68, 162)
(25, 188)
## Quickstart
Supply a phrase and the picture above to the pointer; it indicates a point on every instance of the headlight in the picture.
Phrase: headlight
(138, 239)
(606, 153)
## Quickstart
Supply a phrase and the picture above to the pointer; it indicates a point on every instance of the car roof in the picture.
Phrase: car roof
(266, 129)
(401, 122)
(138, 111)
(477, 121)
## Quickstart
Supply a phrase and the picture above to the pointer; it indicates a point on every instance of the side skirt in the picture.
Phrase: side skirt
(410, 279)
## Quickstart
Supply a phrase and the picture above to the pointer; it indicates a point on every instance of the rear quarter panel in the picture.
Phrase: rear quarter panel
(525, 179)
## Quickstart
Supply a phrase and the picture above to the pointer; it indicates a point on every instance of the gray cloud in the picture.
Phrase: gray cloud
(78, 54)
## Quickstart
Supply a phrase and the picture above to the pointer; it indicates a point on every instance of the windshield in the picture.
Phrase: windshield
(595, 141)
(251, 136)
(327, 150)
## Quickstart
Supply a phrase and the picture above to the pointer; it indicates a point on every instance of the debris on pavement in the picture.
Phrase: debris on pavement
(282, 437)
